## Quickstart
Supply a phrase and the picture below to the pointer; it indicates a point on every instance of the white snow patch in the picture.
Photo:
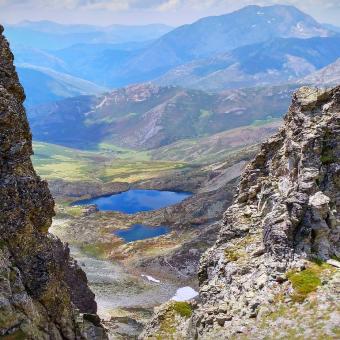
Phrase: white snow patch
(102, 103)
(184, 294)
(260, 13)
(151, 279)
(300, 27)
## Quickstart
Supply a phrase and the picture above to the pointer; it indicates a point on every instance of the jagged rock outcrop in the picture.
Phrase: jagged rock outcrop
(42, 290)
(285, 216)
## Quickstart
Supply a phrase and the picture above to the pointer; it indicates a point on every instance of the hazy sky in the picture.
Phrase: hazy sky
(172, 12)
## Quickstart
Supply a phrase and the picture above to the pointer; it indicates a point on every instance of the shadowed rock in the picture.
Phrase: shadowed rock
(42, 289)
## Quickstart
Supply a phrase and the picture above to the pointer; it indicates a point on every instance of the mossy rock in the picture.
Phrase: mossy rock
(305, 282)
(182, 308)
(231, 255)
(171, 320)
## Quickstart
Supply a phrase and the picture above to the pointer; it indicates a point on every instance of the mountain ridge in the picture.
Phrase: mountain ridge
(43, 85)
(117, 67)
(273, 62)
(147, 116)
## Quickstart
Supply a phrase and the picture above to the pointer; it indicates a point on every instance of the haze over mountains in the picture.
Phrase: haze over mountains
(195, 81)
(273, 62)
(250, 47)
(52, 36)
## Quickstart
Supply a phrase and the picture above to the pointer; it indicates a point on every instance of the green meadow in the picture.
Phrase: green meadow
(108, 164)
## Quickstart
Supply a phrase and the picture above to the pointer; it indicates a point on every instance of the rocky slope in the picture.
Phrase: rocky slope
(42, 290)
(274, 262)
(327, 76)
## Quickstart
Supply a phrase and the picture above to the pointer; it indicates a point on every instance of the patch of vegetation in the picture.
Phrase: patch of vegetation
(327, 155)
(305, 282)
(132, 171)
(2, 244)
(98, 250)
(231, 255)
(74, 211)
(58, 162)
(17, 335)
(168, 322)
(123, 153)
(167, 328)
(182, 308)
(205, 114)
(327, 158)
(108, 164)
(261, 122)
(238, 249)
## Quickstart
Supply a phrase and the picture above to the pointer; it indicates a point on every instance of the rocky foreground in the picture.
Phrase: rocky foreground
(274, 270)
(43, 292)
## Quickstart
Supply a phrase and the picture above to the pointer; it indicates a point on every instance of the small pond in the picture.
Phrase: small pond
(141, 232)
(134, 201)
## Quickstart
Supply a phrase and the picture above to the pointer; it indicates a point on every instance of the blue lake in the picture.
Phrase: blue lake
(134, 201)
(141, 232)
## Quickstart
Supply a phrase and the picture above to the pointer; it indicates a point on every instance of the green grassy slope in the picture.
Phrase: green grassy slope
(57, 162)
(111, 163)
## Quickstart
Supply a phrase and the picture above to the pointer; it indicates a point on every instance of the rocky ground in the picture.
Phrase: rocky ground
(274, 269)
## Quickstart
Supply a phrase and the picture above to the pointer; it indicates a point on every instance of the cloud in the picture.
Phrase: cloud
(162, 5)
(94, 4)
(169, 5)
(173, 12)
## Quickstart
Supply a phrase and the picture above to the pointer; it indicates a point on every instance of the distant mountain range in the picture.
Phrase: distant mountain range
(44, 85)
(329, 76)
(332, 27)
(254, 46)
(52, 36)
(273, 62)
(212, 35)
(148, 116)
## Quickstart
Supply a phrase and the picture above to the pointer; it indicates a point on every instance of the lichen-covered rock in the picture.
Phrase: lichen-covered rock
(284, 217)
(42, 290)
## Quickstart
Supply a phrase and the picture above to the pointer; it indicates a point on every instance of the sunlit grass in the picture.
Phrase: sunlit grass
(125, 171)
(108, 164)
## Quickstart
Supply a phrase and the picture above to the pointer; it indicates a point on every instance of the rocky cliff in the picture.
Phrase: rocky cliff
(273, 270)
(43, 292)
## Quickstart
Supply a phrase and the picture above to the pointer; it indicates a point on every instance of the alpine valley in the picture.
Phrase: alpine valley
(184, 182)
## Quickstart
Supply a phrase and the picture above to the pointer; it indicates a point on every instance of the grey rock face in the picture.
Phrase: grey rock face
(42, 289)
(286, 212)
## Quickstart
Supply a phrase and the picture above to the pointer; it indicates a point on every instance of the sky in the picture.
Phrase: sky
(136, 12)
